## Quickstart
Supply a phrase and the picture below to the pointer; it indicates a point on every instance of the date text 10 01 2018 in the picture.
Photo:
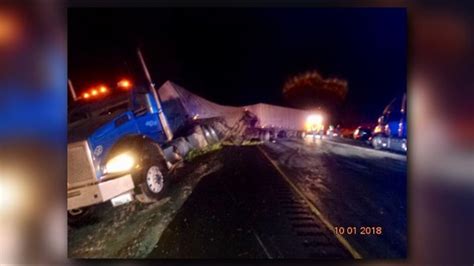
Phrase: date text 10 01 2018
(361, 230)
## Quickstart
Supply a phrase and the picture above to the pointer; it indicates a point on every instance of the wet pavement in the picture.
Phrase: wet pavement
(237, 203)
(246, 210)
(352, 186)
(132, 230)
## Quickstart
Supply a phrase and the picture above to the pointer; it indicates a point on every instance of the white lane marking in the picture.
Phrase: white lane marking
(262, 245)
(251, 228)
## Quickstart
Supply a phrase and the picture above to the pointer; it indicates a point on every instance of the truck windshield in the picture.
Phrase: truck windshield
(98, 110)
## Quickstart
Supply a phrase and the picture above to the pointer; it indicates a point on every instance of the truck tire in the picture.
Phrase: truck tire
(213, 134)
(377, 142)
(153, 174)
(208, 135)
(155, 184)
(282, 134)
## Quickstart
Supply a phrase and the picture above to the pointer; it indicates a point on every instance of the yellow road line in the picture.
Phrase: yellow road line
(313, 208)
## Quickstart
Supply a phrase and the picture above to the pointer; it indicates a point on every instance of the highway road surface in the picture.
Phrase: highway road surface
(276, 200)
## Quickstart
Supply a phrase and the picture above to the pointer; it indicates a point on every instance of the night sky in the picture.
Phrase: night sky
(240, 56)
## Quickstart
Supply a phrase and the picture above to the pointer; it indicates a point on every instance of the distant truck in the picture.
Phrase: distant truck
(391, 130)
(114, 151)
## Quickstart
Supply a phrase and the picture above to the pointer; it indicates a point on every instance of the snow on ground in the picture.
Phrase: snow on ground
(133, 230)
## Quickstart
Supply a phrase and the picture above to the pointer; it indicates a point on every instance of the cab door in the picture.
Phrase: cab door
(146, 119)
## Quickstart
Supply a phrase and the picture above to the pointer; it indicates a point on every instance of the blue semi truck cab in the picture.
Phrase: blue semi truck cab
(114, 150)
(391, 130)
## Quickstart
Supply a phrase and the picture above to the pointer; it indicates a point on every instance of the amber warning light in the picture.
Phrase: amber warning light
(124, 84)
(102, 90)
(95, 92)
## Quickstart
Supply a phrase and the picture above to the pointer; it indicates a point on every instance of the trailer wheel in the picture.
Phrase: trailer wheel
(282, 134)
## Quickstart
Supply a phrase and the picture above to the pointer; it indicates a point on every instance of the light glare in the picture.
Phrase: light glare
(314, 122)
(120, 163)
(103, 89)
(124, 83)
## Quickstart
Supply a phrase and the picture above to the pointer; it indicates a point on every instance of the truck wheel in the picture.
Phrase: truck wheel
(155, 181)
(153, 175)
(155, 184)
(207, 134)
(213, 134)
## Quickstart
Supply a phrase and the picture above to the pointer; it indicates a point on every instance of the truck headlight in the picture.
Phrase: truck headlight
(120, 163)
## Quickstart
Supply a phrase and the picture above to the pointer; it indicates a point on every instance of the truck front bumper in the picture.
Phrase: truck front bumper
(99, 192)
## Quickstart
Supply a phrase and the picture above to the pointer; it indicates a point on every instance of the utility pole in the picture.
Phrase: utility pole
(71, 89)
(161, 115)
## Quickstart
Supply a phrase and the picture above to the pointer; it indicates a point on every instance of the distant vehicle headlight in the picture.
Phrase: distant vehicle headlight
(120, 163)
(314, 122)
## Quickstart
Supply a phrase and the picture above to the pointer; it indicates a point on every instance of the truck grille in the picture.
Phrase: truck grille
(80, 169)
